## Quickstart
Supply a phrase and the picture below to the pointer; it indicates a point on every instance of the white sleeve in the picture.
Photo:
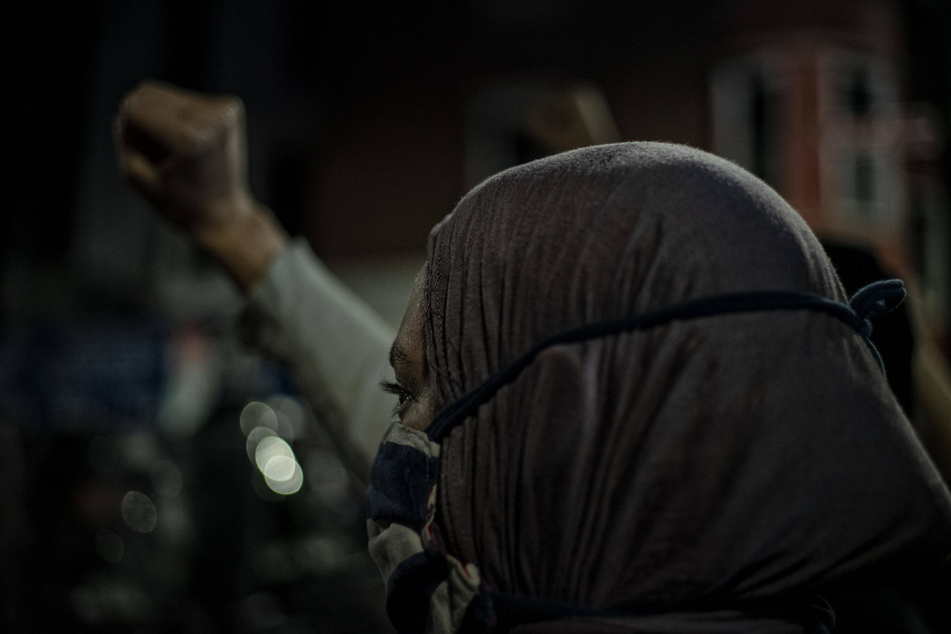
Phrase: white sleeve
(335, 345)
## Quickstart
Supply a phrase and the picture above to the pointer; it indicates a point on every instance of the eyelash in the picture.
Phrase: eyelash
(401, 392)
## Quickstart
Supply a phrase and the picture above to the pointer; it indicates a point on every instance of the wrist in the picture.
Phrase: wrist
(247, 245)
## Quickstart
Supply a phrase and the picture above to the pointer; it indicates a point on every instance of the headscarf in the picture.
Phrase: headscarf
(707, 474)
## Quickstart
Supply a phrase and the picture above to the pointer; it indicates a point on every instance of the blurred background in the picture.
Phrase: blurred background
(131, 417)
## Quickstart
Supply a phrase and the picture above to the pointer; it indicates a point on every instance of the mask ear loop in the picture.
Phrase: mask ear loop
(874, 300)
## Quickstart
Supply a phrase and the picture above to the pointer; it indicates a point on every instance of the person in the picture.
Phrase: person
(631, 395)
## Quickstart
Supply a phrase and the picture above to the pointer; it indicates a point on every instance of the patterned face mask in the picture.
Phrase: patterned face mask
(430, 590)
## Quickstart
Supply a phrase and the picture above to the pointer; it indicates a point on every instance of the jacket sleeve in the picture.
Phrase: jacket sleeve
(334, 344)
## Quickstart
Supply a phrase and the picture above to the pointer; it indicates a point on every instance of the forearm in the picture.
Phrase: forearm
(334, 343)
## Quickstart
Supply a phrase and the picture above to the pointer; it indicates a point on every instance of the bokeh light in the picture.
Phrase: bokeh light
(268, 449)
(289, 486)
(256, 414)
(276, 461)
(139, 512)
(255, 436)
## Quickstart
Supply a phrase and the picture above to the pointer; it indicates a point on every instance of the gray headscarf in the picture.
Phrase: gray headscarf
(693, 470)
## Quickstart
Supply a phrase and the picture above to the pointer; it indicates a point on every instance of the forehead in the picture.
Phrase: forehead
(406, 355)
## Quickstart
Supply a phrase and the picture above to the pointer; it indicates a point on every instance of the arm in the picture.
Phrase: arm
(335, 345)
(186, 154)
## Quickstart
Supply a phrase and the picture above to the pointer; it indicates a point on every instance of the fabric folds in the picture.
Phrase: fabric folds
(702, 467)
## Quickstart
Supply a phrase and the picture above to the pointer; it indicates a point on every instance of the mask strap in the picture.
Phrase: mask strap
(875, 299)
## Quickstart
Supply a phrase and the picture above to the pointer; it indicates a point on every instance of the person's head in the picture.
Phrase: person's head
(704, 462)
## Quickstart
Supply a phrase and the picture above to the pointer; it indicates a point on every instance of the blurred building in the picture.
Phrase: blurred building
(822, 112)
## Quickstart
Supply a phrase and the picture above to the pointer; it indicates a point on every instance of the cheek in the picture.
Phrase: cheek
(422, 413)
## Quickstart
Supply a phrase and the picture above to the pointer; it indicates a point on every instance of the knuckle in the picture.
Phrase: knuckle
(128, 102)
(232, 103)
(151, 85)
(232, 110)
(144, 90)
(138, 96)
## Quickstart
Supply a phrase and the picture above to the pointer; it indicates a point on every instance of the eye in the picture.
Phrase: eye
(401, 392)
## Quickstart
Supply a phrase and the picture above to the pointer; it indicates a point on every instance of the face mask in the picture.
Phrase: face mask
(430, 590)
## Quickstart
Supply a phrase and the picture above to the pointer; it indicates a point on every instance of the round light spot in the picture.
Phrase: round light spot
(255, 436)
(109, 546)
(287, 487)
(139, 512)
(279, 468)
(257, 414)
(166, 478)
(271, 447)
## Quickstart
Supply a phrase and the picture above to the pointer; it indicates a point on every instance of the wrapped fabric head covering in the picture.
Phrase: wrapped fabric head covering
(691, 471)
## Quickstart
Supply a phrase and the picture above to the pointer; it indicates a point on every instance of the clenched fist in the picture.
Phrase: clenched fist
(186, 153)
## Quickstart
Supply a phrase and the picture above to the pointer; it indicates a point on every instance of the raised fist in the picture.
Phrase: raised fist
(186, 153)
